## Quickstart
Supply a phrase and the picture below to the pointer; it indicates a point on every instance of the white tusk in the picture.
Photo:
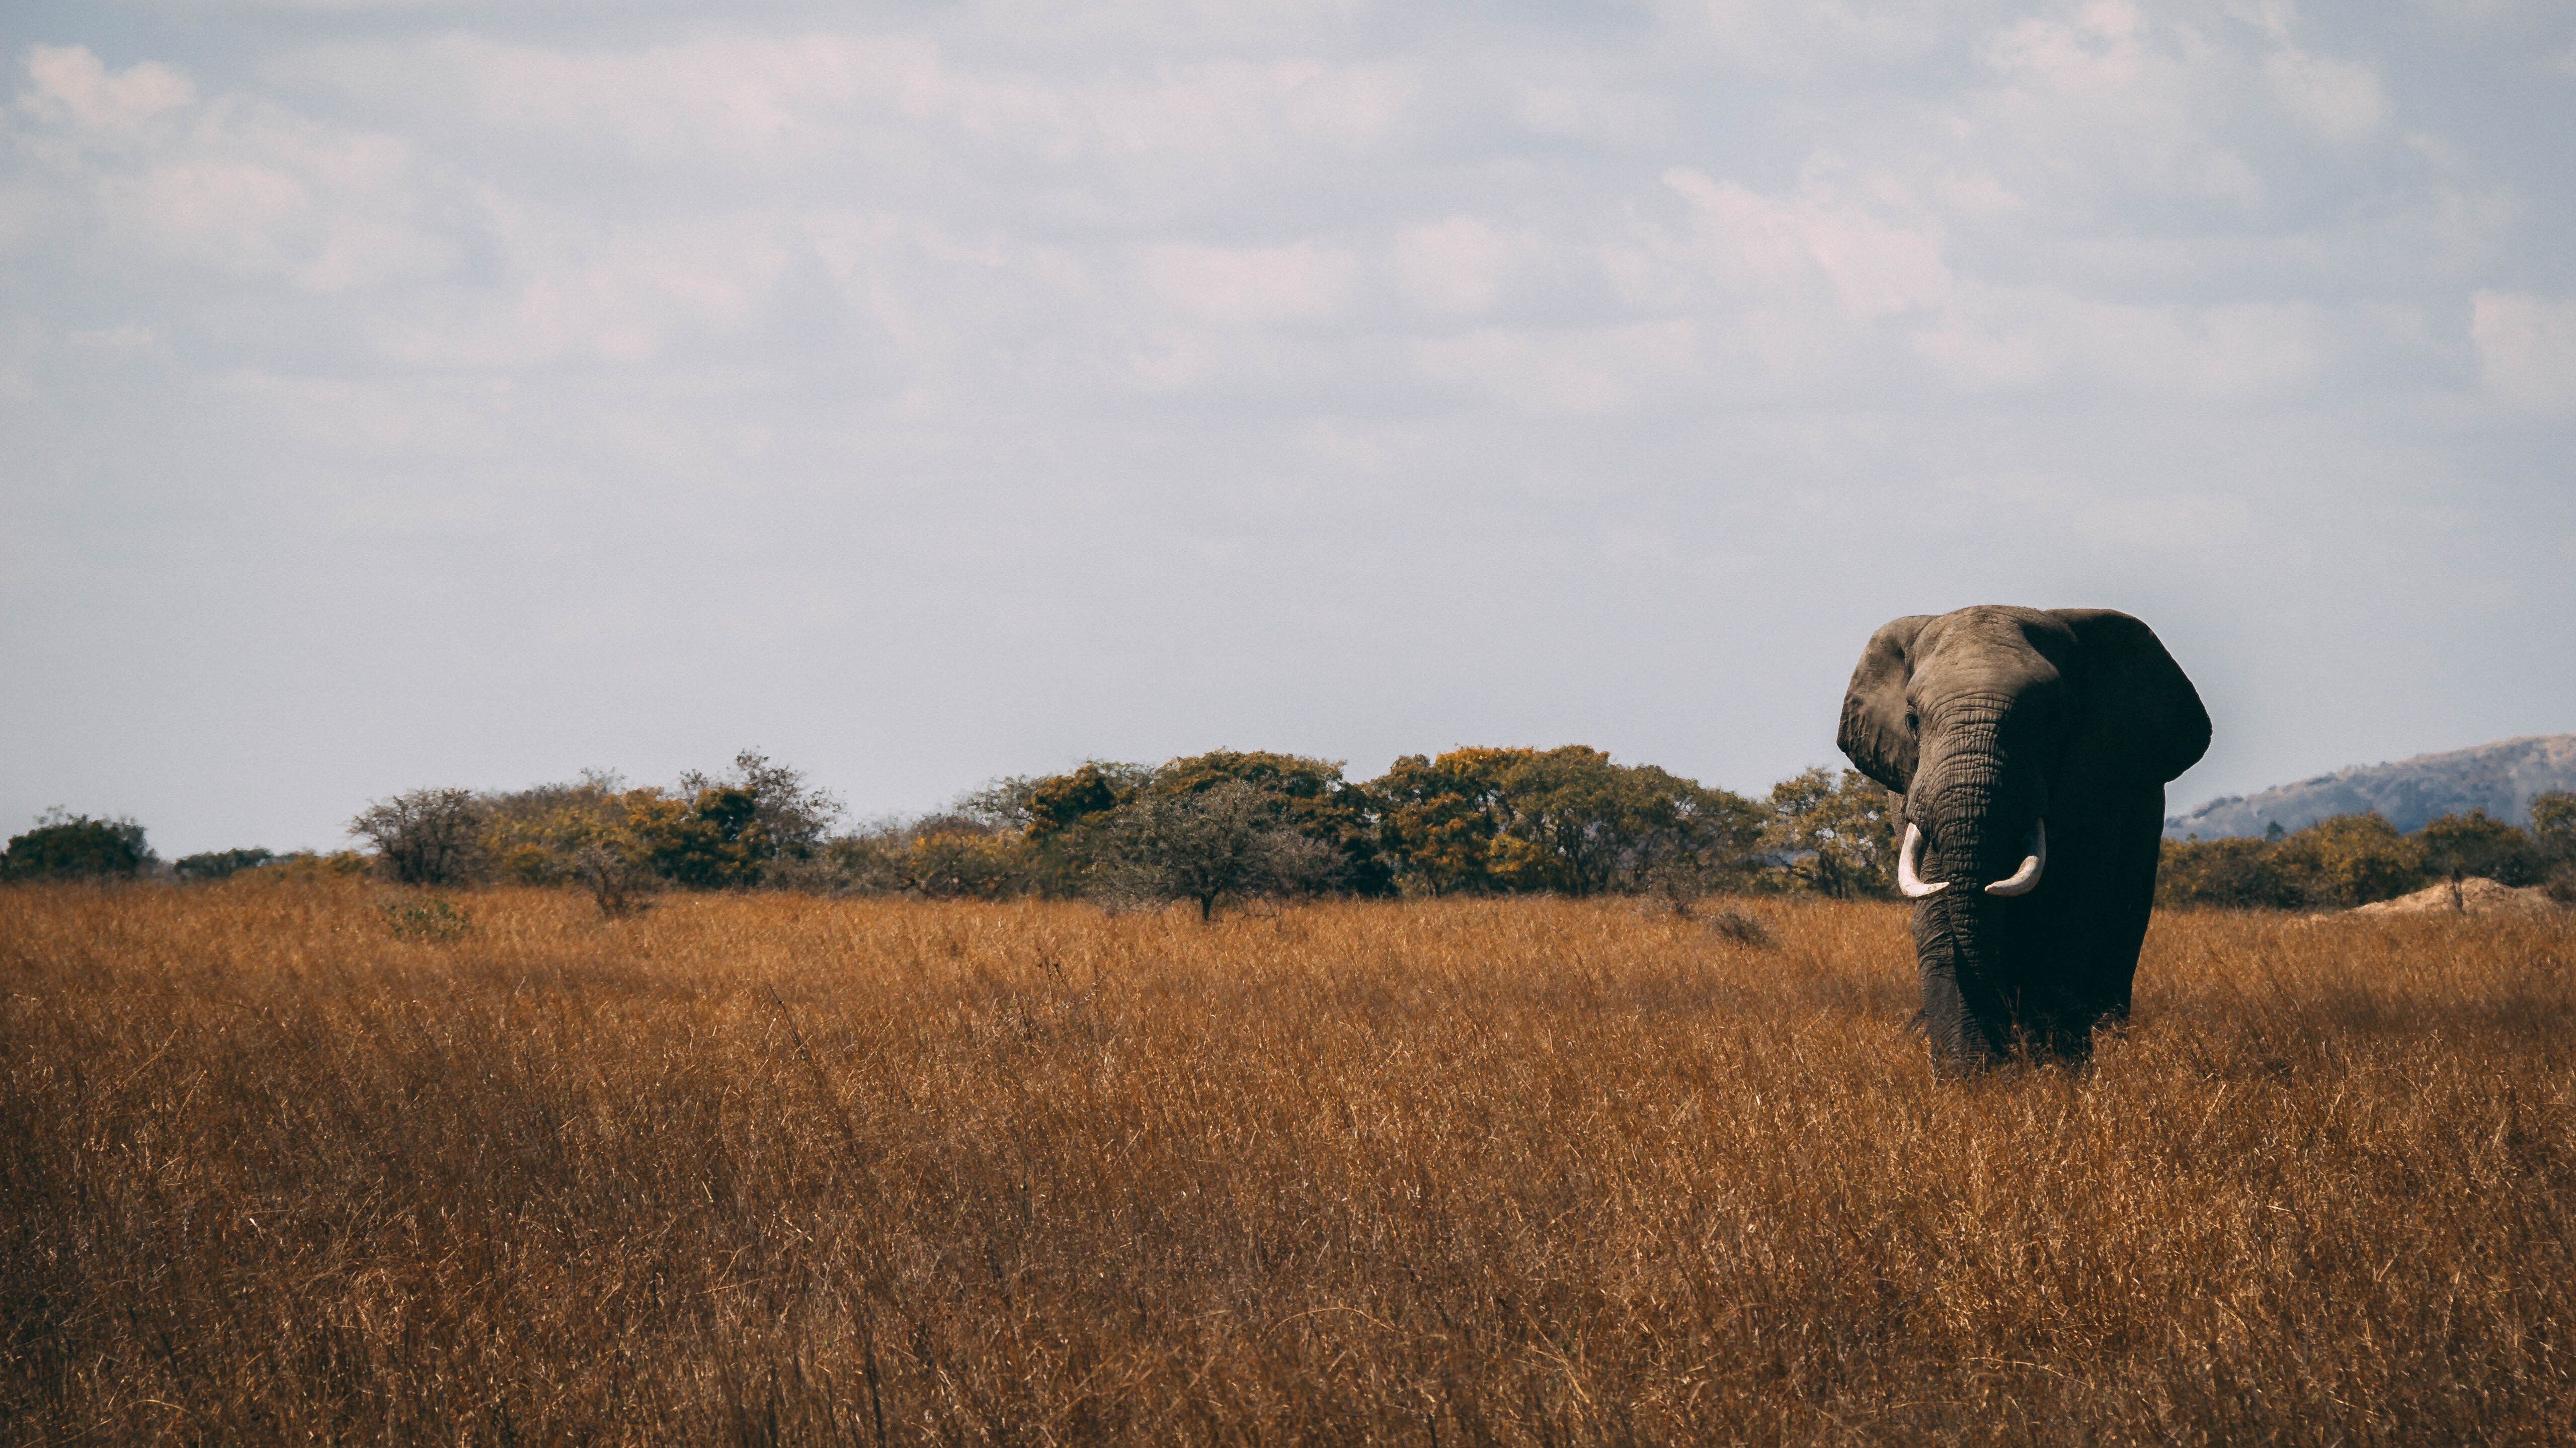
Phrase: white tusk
(2026, 879)
(1907, 880)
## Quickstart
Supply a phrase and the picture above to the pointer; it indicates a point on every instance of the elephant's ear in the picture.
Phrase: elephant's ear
(2138, 705)
(1874, 730)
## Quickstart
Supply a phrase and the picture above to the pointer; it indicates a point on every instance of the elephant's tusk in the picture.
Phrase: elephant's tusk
(2026, 879)
(1908, 878)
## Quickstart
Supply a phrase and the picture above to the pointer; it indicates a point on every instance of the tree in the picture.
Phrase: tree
(1437, 820)
(789, 815)
(1836, 838)
(1224, 842)
(2350, 860)
(2235, 873)
(2553, 839)
(69, 846)
(1064, 821)
(425, 836)
(1566, 819)
(1307, 796)
(2457, 846)
(2553, 821)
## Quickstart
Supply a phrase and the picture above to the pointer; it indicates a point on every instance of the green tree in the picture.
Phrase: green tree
(1567, 819)
(1065, 820)
(2457, 846)
(1437, 820)
(2351, 860)
(2235, 873)
(2553, 839)
(788, 815)
(1835, 837)
(69, 846)
(2553, 821)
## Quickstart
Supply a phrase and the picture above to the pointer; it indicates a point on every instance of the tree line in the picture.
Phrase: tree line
(2355, 859)
(1230, 826)
(1208, 829)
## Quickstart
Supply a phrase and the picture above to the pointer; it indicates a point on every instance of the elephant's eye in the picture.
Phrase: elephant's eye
(1910, 724)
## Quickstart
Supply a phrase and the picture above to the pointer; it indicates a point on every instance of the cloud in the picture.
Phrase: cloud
(1453, 266)
(2337, 99)
(237, 188)
(2527, 347)
(1771, 247)
(1566, 371)
(784, 102)
(1249, 286)
(68, 83)
(2109, 103)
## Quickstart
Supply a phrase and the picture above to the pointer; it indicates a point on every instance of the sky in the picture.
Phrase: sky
(398, 393)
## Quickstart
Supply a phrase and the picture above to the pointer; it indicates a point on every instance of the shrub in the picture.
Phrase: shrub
(69, 846)
(304, 866)
(220, 864)
(1568, 820)
(1226, 842)
(2457, 846)
(2236, 873)
(436, 919)
(426, 836)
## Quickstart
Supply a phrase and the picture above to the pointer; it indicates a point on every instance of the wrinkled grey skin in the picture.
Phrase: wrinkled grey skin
(1983, 720)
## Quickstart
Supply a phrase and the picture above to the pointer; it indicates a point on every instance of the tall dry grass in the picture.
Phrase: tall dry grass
(772, 1169)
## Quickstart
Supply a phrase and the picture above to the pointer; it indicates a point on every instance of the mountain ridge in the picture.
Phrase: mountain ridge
(2500, 778)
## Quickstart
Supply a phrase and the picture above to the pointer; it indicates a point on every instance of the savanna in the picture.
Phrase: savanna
(307, 1159)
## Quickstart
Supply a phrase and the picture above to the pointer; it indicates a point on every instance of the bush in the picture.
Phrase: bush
(2336, 863)
(220, 864)
(306, 867)
(2236, 873)
(426, 836)
(1225, 842)
(69, 846)
(1568, 820)
(2457, 846)
(434, 920)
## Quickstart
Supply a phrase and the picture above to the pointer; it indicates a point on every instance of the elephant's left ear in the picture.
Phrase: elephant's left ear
(2138, 704)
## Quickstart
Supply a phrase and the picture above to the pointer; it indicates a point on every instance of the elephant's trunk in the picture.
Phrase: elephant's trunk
(1977, 808)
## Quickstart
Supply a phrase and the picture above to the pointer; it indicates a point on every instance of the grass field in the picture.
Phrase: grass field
(776, 1169)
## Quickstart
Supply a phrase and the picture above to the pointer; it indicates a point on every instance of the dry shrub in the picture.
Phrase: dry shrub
(775, 1169)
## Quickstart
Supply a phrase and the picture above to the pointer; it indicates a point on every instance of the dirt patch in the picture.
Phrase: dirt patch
(2476, 895)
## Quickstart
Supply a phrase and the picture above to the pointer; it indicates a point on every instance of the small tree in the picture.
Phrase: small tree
(69, 846)
(2457, 846)
(790, 815)
(1221, 843)
(2553, 839)
(1834, 838)
(2350, 860)
(2236, 872)
(425, 836)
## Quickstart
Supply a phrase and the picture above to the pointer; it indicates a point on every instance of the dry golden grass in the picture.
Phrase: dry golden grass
(773, 1169)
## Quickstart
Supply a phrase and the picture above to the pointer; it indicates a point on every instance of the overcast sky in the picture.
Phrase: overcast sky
(414, 393)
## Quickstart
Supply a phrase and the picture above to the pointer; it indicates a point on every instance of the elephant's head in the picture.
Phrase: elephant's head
(1984, 718)
(2032, 748)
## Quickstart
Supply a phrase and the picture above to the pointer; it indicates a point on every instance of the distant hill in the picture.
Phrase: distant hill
(2499, 778)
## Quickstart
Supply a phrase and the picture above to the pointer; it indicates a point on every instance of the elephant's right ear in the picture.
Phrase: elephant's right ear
(1874, 731)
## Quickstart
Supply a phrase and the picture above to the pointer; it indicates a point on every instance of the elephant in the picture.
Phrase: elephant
(2031, 749)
